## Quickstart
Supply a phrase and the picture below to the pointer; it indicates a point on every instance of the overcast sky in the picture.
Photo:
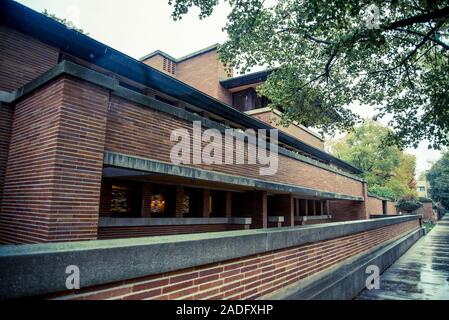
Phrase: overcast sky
(138, 27)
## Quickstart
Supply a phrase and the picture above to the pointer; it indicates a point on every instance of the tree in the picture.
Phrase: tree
(438, 177)
(326, 54)
(67, 23)
(388, 171)
(409, 204)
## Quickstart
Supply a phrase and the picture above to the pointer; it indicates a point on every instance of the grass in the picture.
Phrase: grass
(429, 226)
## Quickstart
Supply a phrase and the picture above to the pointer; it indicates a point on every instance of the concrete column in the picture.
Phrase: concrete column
(146, 199)
(179, 202)
(206, 203)
(327, 207)
(228, 209)
(256, 208)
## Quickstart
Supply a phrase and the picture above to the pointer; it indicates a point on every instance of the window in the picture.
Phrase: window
(248, 99)
(157, 204)
(244, 100)
(126, 200)
(162, 201)
(422, 189)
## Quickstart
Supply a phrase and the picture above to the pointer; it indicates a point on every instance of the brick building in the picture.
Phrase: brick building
(85, 140)
(85, 143)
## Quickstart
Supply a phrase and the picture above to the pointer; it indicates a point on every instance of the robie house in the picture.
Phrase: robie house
(85, 140)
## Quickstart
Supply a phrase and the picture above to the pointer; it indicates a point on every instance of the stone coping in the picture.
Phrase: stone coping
(37, 269)
(275, 218)
(131, 222)
(120, 160)
(306, 218)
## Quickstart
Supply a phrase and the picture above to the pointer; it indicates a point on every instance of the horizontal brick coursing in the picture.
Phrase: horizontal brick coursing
(139, 131)
(204, 73)
(6, 116)
(374, 206)
(347, 210)
(23, 58)
(245, 278)
(427, 211)
(53, 175)
(391, 208)
(294, 130)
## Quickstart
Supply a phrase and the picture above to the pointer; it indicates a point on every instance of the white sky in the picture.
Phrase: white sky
(138, 27)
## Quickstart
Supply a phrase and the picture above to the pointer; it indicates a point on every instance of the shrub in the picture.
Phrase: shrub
(409, 204)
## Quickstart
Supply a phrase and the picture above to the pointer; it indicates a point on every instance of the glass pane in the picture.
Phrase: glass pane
(157, 204)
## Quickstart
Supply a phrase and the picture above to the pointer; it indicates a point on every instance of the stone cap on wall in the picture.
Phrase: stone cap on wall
(37, 269)
(131, 222)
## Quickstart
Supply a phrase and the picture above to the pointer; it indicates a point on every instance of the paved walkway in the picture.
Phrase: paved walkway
(422, 273)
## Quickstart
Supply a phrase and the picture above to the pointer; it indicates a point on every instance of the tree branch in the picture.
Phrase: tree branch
(441, 13)
(439, 42)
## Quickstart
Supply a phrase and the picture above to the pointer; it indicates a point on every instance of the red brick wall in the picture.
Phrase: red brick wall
(204, 73)
(53, 175)
(374, 206)
(391, 208)
(248, 277)
(22, 58)
(139, 131)
(427, 211)
(346, 210)
(294, 130)
(6, 116)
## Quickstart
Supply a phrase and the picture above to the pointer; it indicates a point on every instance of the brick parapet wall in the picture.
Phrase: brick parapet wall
(6, 118)
(249, 277)
(53, 175)
(427, 211)
(132, 130)
(296, 131)
(23, 58)
(375, 206)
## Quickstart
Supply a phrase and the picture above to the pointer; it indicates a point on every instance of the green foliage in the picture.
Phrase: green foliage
(438, 177)
(409, 204)
(387, 170)
(383, 192)
(326, 57)
(67, 23)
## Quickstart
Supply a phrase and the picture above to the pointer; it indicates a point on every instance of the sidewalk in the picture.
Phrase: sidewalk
(422, 273)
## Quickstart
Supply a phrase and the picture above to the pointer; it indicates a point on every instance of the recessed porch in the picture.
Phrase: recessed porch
(136, 203)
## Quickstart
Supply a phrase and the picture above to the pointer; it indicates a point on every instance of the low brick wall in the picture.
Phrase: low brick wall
(245, 264)
(427, 211)
(248, 277)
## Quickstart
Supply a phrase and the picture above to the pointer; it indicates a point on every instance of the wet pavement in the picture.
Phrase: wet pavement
(422, 273)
